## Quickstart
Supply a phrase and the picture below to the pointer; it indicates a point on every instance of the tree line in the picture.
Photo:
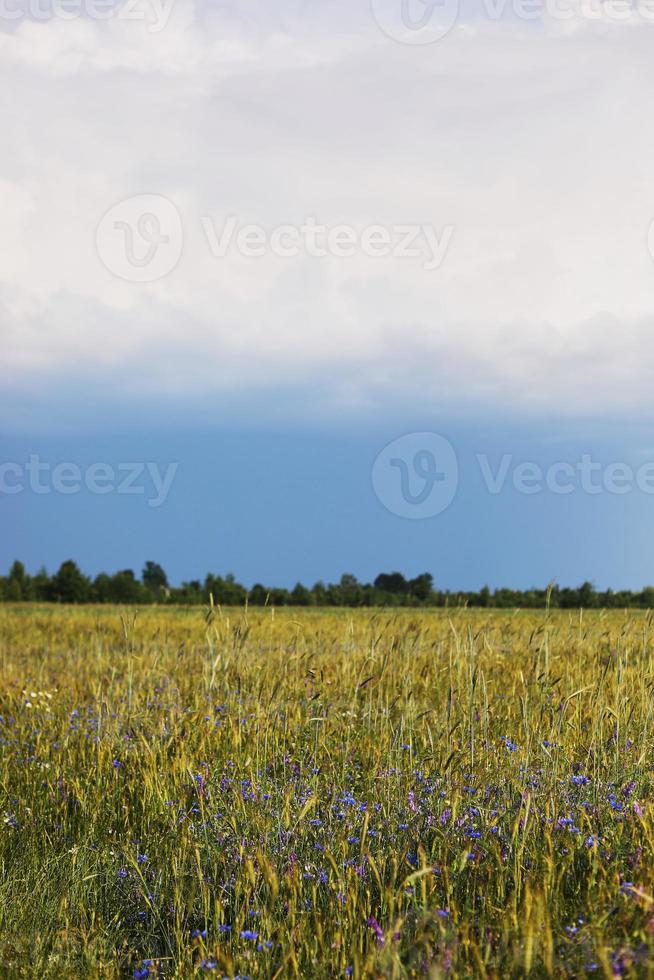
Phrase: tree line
(70, 585)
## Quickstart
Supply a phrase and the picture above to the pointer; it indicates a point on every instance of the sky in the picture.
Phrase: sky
(351, 287)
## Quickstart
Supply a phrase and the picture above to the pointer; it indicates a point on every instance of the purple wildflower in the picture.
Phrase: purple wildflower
(377, 929)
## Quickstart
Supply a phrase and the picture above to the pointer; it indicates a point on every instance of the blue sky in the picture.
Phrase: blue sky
(259, 244)
(298, 504)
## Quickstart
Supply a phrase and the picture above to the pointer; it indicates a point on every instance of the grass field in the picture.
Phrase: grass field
(325, 794)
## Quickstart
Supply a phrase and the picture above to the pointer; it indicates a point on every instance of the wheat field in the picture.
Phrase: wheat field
(236, 793)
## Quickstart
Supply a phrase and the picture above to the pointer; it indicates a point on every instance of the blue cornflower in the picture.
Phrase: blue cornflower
(143, 970)
(568, 823)
(249, 934)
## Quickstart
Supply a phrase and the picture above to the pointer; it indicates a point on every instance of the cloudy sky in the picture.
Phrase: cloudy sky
(481, 179)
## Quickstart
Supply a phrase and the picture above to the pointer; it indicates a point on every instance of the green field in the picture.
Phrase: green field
(325, 793)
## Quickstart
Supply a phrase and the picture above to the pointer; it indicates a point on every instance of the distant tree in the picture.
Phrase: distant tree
(70, 585)
(319, 593)
(11, 591)
(484, 597)
(395, 583)
(189, 594)
(646, 597)
(124, 588)
(280, 597)
(225, 591)
(41, 586)
(154, 577)
(258, 595)
(422, 586)
(568, 598)
(101, 588)
(301, 596)
(349, 592)
(587, 597)
(17, 588)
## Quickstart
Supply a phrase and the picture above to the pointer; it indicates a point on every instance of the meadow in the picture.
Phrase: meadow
(325, 793)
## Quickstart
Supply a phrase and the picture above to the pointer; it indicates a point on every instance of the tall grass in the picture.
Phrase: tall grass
(325, 794)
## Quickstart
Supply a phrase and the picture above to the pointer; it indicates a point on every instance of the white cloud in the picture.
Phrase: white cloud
(532, 141)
